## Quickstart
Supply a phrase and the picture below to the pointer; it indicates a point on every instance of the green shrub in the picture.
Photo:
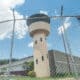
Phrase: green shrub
(31, 73)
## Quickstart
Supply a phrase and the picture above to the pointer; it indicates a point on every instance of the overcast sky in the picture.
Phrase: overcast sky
(23, 42)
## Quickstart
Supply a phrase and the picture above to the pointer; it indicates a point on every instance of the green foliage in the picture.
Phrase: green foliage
(25, 65)
(31, 73)
(3, 70)
(6, 61)
(31, 65)
(28, 66)
(58, 75)
(34, 78)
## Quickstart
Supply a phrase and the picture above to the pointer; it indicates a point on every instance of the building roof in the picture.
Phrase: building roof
(21, 61)
(38, 17)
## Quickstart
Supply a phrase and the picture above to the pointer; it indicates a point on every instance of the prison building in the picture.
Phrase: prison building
(62, 63)
(58, 63)
(17, 67)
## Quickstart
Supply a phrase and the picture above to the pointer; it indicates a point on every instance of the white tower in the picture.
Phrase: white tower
(39, 28)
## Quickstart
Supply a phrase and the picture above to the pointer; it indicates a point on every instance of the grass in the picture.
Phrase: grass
(29, 78)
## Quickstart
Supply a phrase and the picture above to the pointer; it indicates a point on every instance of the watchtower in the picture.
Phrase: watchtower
(39, 28)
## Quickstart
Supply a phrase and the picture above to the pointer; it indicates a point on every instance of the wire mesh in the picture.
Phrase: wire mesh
(66, 65)
(66, 70)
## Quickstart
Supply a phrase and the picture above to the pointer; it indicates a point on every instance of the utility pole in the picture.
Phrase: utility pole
(63, 29)
(64, 40)
(12, 43)
(67, 47)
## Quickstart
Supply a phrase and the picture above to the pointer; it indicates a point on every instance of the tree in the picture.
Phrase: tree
(6, 61)
(28, 66)
(31, 65)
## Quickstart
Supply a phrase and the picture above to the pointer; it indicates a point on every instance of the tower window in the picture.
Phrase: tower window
(41, 39)
(47, 56)
(36, 61)
(42, 58)
(35, 42)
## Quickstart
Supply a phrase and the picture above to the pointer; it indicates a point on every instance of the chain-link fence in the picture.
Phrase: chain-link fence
(64, 64)
(63, 67)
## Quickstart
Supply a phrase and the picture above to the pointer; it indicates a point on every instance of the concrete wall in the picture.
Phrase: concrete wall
(39, 26)
(52, 63)
(60, 64)
(39, 31)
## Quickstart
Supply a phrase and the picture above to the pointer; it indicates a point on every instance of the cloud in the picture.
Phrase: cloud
(10, 3)
(49, 45)
(56, 13)
(66, 24)
(6, 13)
(30, 45)
(44, 12)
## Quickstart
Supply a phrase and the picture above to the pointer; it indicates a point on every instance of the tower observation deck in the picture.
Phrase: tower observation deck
(38, 18)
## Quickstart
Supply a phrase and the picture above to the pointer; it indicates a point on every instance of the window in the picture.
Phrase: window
(35, 42)
(41, 39)
(42, 58)
(36, 61)
(47, 56)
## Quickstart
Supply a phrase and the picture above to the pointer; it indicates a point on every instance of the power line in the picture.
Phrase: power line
(48, 10)
(78, 16)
